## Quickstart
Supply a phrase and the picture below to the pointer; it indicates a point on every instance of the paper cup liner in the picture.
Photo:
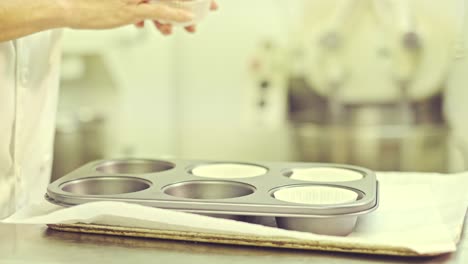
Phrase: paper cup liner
(229, 171)
(316, 195)
(323, 174)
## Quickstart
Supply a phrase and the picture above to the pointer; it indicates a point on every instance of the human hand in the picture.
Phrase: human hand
(103, 14)
(166, 29)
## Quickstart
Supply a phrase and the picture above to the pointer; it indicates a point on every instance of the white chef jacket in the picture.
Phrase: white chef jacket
(29, 81)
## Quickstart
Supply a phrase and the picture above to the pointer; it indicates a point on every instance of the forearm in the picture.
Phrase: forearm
(19, 18)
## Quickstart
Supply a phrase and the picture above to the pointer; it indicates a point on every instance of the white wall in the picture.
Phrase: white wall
(188, 95)
(456, 98)
(215, 86)
(138, 100)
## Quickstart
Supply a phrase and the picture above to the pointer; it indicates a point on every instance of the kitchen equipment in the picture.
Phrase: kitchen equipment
(79, 138)
(309, 204)
(375, 97)
(376, 136)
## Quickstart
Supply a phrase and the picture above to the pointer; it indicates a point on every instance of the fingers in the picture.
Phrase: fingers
(157, 12)
(165, 29)
(214, 6)
(191, 29)
(140, 24)
(154, 11)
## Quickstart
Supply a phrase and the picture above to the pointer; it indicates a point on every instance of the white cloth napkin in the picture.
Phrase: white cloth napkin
(420, 212)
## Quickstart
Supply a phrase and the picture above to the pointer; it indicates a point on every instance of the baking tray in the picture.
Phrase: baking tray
(187, 185)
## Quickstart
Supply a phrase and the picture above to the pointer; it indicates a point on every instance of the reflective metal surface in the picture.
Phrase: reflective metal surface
(382, 137)
(209, 190)
(338, 226)
(79, 138)
(35, 244)
(179, 189)
(382, 148)
(134, 166)
(105, 186)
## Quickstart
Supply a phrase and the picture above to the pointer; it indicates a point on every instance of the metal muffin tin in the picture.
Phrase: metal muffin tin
(172, 185)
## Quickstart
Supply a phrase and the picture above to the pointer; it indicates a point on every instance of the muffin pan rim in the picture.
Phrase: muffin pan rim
(106, 163)
(104, 178)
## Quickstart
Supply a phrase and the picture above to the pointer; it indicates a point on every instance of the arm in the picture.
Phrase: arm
(19, 18)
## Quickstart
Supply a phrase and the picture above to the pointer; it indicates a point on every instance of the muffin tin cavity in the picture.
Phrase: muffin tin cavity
(209, 190)
(229, 171)
(323, 174)
(135, 166)
(310, 197)
(105, 186)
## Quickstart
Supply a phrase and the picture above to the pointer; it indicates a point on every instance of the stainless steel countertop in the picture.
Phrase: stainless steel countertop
(36, 244)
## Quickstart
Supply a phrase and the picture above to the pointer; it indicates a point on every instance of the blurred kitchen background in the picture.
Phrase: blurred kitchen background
(377, 83)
